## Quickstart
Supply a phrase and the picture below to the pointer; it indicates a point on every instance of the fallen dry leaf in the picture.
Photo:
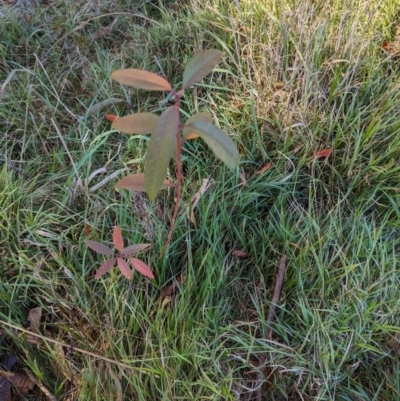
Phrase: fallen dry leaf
(242, 176)
(240, 253)
(111, 117)
(104, 31)
(5, 389)
(324, 153)
(264, 169)
(60, 365)
(34, 318)
(88, 230)
(170, 289)
(168, 293)
(278, 85)
(196, 198)
(386, 45)
(38, 383)
(19, 380)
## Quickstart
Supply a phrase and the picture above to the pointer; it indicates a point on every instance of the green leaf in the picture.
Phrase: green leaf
(162, 148)
(187, 133)
(141, 79)
(137, 182)
(200, 66)
(219, 142)
(139, 123)
(105, 103)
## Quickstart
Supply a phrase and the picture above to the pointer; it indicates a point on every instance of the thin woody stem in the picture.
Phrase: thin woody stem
(179, 178)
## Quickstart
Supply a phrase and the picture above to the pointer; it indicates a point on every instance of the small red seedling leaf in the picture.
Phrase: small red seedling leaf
(124, 267)
(111, 117)
(99, 248)
(118, 241)
(131, 250)
(239, 253)
(141, 79)
(264, 169)
(141, 267)
(324, 153)
(105, 267)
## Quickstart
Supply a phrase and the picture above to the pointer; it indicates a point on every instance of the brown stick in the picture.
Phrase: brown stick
(82, 351)
(44, 389)
(276, 296)
(178, 191)
(270, 318)
(178, 96)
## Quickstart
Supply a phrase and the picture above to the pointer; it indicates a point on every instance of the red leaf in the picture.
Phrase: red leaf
(111, 117)
(117, 239)
(264, 169)
(141, 267)
(132, 249)
(386, 45)
(124, 267)
(141, 79)
(324, 153)
(99, 248)
(105, 267)
(88, 230)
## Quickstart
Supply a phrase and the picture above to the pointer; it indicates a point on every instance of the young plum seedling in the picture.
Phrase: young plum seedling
(119, 259)
(167, 132)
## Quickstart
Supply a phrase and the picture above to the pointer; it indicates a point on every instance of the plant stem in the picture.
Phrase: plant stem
(270, 319)
(178, 178)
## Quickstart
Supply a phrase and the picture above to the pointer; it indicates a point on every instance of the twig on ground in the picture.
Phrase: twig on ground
(270, 319)
(82, 351)
(276, 296)
(45, 391)
(14, 168)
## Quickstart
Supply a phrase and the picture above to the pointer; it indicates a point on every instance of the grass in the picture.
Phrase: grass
(297, 78)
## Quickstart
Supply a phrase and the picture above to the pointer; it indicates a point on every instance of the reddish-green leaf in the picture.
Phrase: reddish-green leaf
(187, 133)
(140, 123)
(124, 267)
(324, 153)
(99, 248)
(136, 182)
(200, 66)
(141, 79)
(105, 267)
(131, 250)
(141, 267)
(219, 142)
(117, 239)
(111, 117)
(162, 148)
